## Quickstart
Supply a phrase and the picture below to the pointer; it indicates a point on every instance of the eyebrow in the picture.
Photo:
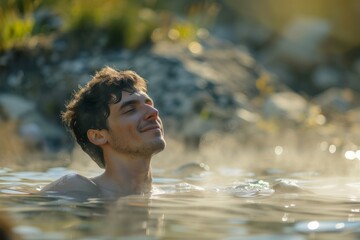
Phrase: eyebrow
(127, 103)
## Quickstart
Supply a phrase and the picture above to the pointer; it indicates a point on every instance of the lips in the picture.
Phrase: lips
(150, 127)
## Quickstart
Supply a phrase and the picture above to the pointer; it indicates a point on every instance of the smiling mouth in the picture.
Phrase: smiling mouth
(150, 127)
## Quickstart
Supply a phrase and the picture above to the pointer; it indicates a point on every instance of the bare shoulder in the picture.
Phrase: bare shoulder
(72, 185)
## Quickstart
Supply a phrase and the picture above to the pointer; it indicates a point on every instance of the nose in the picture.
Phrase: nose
(151, 113)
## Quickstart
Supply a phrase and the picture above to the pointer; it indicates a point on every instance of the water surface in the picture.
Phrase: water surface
(234, 204)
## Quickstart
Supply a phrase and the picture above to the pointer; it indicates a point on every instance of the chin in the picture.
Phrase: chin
(158, 146)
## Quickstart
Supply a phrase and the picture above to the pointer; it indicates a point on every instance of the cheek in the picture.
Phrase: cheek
(130, 129)
(126, 127)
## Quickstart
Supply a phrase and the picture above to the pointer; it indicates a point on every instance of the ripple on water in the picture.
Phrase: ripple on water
(30, 232)
(269, 237)
(243, 209)
(10, 191)
(10, 179)
(34, 176)
(250, 189)
(166, 180)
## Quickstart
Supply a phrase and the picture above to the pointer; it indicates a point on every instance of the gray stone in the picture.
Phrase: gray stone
(302, 39)
(325, 77)
(252, 34)
(357, 66)
(35, 130)
(247, 116)
(337, 99)
(15, 107)
(32, 135)
(16, 79)
(39, 132)
(353, 116)
(47, 19)
(285, 105)
(75, 66)
(177, 104)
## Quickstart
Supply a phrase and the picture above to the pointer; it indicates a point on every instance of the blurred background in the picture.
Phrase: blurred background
(253, 84)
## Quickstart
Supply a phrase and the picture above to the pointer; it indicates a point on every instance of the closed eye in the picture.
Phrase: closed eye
(129, 109)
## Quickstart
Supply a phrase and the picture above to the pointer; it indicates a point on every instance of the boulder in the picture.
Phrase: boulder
(14, 107)
(35, 131)
(285, 106)
(301, 41)
(40, 132)
(325, 77)
(337, 99)
(357, 66)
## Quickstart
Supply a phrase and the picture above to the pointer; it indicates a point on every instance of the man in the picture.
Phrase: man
(115, 122)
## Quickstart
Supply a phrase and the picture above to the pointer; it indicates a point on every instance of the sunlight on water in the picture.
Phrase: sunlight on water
(278, 150)
(352, 155)
(227, 203)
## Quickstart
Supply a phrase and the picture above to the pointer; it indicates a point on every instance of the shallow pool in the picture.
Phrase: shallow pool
(231, 204)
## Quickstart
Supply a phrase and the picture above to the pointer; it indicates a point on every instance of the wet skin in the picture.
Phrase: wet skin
(135, 133)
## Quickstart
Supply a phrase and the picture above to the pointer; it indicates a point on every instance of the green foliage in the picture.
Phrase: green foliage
(81, 15)
(15, 30)
(125, 23)
(121, 23)
(16, 22)
(131, 30)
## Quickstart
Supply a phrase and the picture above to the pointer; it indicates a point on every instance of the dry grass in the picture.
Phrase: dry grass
(15, 154)
(12, 148)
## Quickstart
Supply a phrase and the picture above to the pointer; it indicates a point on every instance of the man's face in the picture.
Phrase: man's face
(135, 128)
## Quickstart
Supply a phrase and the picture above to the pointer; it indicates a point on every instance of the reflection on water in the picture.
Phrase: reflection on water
(234, 204)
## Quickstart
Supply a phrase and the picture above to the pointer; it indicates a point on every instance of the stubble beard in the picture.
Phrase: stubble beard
(144, 150)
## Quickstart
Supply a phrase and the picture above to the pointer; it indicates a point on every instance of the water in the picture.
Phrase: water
(231, 204)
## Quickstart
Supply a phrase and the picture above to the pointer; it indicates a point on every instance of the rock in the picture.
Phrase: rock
(353, 116)
(36, 132)
(176, 105)
(252, 34)
(46, 19)
(283, 73)
(191, 169)
(357, 66)
(75, 66)
(15, 80)
(337, 99)
(32, 135)
(302, 39)
(325, 77)
(6, 58)
(247, 116)
(286, 106)
(14, 107)
(219, 66)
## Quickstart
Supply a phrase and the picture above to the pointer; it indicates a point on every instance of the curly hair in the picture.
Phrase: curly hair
(89, 107)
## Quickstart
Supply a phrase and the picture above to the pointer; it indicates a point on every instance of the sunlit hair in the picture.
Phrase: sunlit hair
(89, 108)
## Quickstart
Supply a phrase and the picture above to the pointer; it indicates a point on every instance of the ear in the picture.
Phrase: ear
(96, 137)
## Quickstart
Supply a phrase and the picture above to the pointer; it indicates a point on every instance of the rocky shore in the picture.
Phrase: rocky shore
(274, 97)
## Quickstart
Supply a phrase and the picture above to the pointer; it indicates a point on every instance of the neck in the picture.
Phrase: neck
(125, 176)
